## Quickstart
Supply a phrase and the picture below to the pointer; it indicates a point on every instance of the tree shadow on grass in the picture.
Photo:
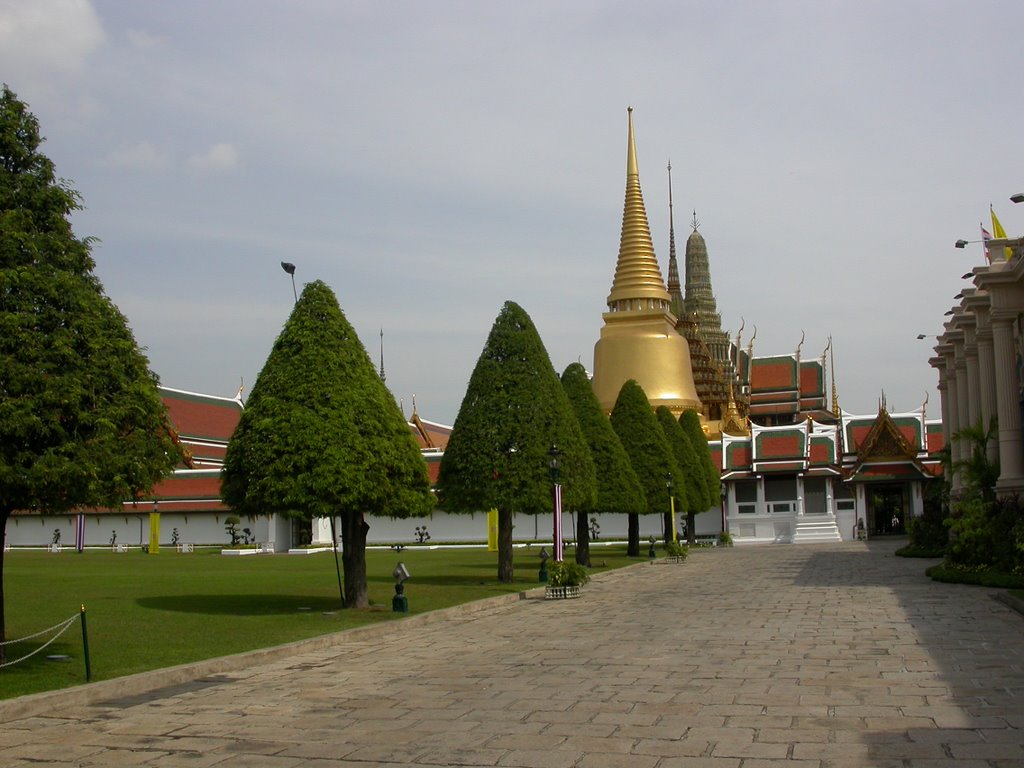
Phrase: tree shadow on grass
(241, 605)
(455, 580)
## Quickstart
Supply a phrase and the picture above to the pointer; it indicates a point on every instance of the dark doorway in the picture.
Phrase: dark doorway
(886, 515)
(302, 532)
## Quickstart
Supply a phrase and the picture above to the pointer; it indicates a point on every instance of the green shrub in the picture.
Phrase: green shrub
(929, 533)
(231, 523)
(987, 535)
(677, 550)
(725, 539)
(567, 574)
(985, 577)
(911, 551)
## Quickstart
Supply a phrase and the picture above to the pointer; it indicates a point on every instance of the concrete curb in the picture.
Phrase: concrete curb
(46, 702)
(1009, 600)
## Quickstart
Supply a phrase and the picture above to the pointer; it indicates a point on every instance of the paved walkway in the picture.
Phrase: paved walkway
(807, 656)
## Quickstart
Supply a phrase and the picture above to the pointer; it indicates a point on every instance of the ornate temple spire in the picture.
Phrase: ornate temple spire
(639, 339)
(674, 287)
(836, 410)
(699, 298)
(638, 283)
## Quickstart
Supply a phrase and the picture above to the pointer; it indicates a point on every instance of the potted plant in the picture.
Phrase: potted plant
(565, 580)
(676, 551)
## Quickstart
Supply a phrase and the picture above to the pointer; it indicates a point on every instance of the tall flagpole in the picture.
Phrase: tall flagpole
(556, 495)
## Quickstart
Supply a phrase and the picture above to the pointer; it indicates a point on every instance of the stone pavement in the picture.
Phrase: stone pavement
(807, 656)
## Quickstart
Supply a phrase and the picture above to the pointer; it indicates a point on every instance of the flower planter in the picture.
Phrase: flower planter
(561, 593)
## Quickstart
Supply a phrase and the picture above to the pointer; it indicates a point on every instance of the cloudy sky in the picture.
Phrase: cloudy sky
(430, 160)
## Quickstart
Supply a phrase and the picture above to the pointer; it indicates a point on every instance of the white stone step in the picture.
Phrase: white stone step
(814, 531)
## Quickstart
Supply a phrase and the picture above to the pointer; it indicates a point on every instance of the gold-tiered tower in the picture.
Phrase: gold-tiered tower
(639, 340)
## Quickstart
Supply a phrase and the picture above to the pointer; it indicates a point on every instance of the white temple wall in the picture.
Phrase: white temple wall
(198, 528)
(207, 528)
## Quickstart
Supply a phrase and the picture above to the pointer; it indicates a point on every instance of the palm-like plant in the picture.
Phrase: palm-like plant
(977, 471)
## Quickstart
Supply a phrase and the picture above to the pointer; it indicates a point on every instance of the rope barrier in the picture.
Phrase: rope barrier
(62, 627)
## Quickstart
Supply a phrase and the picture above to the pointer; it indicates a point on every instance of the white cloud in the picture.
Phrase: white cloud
(142, 156)
(219, 157)
(43, 39)
(144, 41)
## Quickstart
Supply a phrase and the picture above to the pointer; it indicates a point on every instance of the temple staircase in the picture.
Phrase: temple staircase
(816, 529)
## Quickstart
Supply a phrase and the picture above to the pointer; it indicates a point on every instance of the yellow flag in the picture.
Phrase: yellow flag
(998, 231)
(492, 531)
(154, 533)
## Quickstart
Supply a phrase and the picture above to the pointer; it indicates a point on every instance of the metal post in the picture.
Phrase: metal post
(556, 494)
(337, 568)
(85, 647)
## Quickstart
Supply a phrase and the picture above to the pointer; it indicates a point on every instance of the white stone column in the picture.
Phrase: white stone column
(830, 505)
(761, 507)
(916, 499)
(971, 359)
(800, 495)
(988, 387)
(954, 416)
(963, 394)
(939, 364)
(986, 364)
(1011, 453)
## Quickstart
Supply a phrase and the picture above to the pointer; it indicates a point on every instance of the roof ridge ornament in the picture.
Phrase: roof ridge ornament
(673, 263)
(836, 410)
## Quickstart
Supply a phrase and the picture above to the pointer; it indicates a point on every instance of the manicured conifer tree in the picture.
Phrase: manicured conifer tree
(514, 410)
(81, 420)
(690, 472)
(321, 436)
(649, 452)
(690, 423)
(618, 488)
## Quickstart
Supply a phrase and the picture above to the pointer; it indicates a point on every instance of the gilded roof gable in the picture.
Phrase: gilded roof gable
(885, 442)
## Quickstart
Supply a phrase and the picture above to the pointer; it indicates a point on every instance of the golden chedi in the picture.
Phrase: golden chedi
(639, 339)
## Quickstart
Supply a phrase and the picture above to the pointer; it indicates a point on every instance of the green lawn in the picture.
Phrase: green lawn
(146, 612)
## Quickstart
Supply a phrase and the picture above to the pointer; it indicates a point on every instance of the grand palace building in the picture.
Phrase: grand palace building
(980, 359)
(795, 467)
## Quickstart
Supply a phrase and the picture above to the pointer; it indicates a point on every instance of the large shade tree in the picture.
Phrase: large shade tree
(618, 488)
(81, 420)
(321, 436)
(649, 452)
(513, 412)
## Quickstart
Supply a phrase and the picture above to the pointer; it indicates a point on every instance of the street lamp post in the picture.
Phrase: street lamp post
(553, 464)
(400, 603)
(288, 267)
(670, 534)
(542, 575)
